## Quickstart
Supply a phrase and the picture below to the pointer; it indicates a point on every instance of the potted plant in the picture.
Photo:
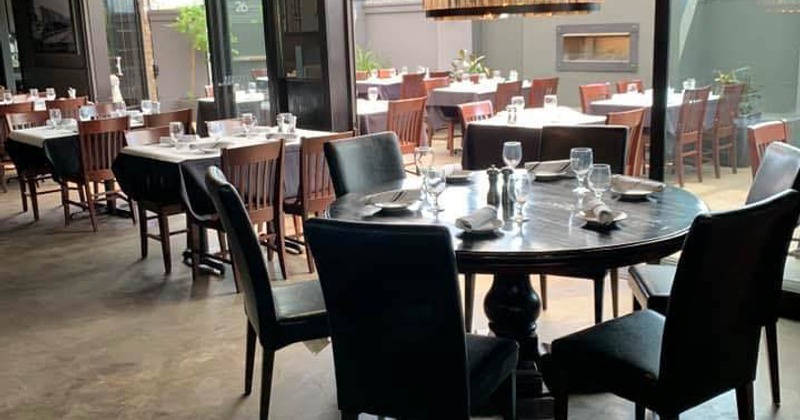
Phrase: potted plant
(191, 21)
(367, 60)
(749, 112)
(468, 63)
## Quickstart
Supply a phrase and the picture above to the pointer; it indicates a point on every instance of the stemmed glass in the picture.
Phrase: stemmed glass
(435, 180)
(512, 153)
(147, 106)
(600, 179)
(175, 132)
(8, 97)
(33, 94)
(120, 109)
(372, 93)
(248, 123)
(522, 189)
(423, 158)
(518, 102)
(51, 93)
(581, 162)
(632, 88)
(55, 117)
(215, 129)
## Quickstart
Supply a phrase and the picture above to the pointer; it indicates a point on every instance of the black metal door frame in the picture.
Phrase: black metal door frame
(658, 116)
(219, 41)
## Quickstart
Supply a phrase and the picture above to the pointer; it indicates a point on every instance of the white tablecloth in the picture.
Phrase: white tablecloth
(540, 117)
(628, 101)
(36, 136)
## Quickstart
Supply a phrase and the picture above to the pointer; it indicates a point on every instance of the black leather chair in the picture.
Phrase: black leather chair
(399, 345)
(651, 284)
(362, 163)
(277, 315)
(726, 286)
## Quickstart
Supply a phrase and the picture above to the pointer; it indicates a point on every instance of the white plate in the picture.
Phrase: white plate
(493, 227)
(634, 193)
(590, 217)
(458, 177)
(546, 176)
(393, 206)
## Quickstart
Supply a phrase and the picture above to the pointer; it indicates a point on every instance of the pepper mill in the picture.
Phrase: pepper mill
(493, 197)
(508, 202)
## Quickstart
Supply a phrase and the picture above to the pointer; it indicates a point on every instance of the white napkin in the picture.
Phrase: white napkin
(450, 169)
(211, 144)
(478, 220)
(548, 166)
(624, 183)
(166, 140)
(394, 196)
(594, 207)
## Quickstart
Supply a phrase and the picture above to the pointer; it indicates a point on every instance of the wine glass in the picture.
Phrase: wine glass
(512, 153)
(513, 75)
(33, 94)
(581, 163)
(372, 93)
(51, 94)
(522, 189)
(423, 158)
(600, 179)
(8, 97)
(404, 70)
(632, 88)
(215, 129)
(147, 106)
(86, 112)
(518, 102)
(55, 117)
(248, 122)
(175, 131)
(435, 180)
(120, 109)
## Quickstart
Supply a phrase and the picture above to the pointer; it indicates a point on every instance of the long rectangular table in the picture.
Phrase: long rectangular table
(629, 101)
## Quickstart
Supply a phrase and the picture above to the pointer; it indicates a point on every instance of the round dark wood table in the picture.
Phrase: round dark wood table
(552, 241)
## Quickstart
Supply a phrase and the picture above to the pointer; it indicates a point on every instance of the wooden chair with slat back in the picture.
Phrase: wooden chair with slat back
(30, 178)
(622, 85)
(20, 97)
(505, 91)
(593, 92)
(5, 161)
(385, 73)
(437, 74)
(256, 73)
(430, 85)
(689, 131)
(540, 88)
(164, 118)
(634, 120)
(231, 126)
(315, 192)
(141, 137)
(474, 111)
(256, 172)
(69, 107)
(104, 110)
(99, 143)
(413, 86)
(724, 132)
(759, 136)
(362, 75)
(405, 119)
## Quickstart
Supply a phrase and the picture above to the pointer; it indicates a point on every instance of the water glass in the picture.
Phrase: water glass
(87, 112)
(251, 87)
(72, 93)
(147, 106)
(215, 129)
(372, 93)
(175, 132)
(482, 78)
(521, 190)
(51, 93)
(156, 107)
(689, 84)
(513, 76)
(550, 102)
(55, 117)
(518, 102)
(581, 160)
(248, 123)
(8, 98)
(392, 72)
(435, 180)
(464, 77)
(290, 123)
(511, 113)
(496, 74)
(120, 109)
(404, 70)
(600, 179)
(423, 159)
(512, 153)
(373, 74)
(421, 69)
(632, 88)
(33, 94)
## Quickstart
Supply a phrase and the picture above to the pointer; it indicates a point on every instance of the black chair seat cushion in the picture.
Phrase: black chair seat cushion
(297, 300)
(490, 361)
(620, 356)
(652, 284)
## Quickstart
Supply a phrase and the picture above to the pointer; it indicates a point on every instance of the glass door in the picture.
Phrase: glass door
(125, 48)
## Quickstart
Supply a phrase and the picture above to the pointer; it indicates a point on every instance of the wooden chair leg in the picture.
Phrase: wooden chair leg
(163, 233)
(771, 330)
(715, 155)
(640, 411)
(599, 285)
(744, 402)
(249, 358)
(543, 290)
(223, 244)
(142, 229)
(194, 231)
(615, 292)
(469, 300)
(451, 146)
(65, 202)
(734, 155)
(90, 206)
(267, 362)
(32, 190)
(22, 195)
(309, 257)
(296, 225)
(679, 163)
(280, 239)
(698, 159)
(3, 177)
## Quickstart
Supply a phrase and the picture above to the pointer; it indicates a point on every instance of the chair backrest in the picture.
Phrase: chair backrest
(22, 120)
(261, 72)
(256, 171)
(435, 83)
(143, 136)
(474, 111)
(254, 279)
(728, 108)
(438, 74)
(415, 306)
(759, 136)
(363, 163)
(727, 284)
(692, 114)
(607, 142)
(405, 118)
(316, 188)
(385, 73)
(104, 110)
(362, 75)
(540, 88)
(413, 86)
(622, 85)
(634, 120)
(779, 171)
(13, 108)
(69, 107)
(99, 143)
(593, 92)
(506, 91)
(231, 126)
(164, 118)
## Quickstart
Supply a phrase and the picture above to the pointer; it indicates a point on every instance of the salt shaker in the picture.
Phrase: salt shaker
(493, 197)
(511, 110)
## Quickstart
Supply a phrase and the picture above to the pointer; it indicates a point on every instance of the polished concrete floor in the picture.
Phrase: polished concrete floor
(90, 331)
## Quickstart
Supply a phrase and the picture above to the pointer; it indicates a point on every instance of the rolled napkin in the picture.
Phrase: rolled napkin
(479, 220)
(548, 166)
(394, 196)
(595, 207)
(623, 183)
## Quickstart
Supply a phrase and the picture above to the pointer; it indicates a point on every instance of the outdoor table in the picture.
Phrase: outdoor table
(373, 117)
(629, 101)
(483, 141)
(552, 241)
(254, 103)
(443, 101)
(388, 89)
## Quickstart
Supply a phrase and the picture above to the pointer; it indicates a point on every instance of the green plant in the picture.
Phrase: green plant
(469, 63)
(191, 21)
(367, 60)
(750, 96)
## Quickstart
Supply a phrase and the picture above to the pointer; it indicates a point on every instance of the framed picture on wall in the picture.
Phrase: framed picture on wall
(53, 28)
